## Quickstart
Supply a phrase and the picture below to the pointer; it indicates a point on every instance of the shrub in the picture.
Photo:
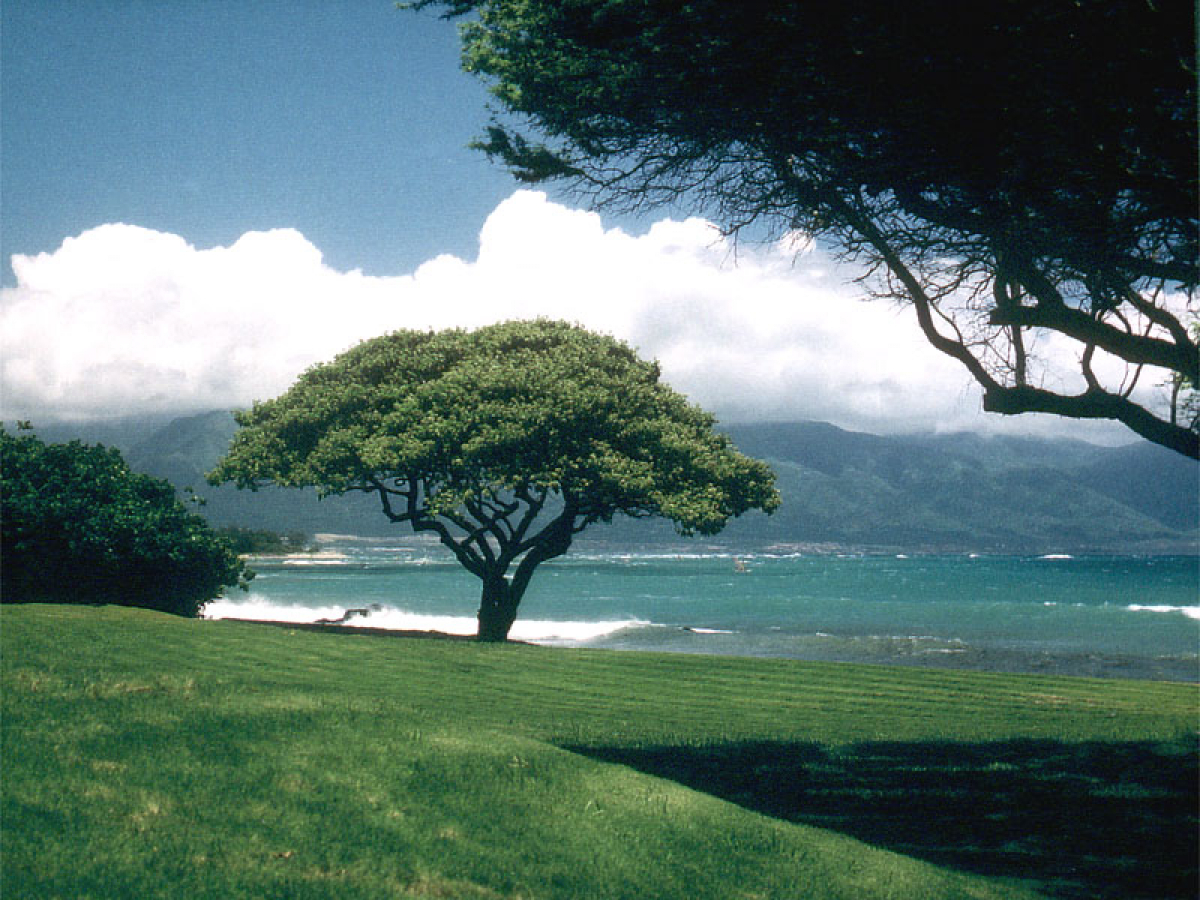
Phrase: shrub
(80, 527)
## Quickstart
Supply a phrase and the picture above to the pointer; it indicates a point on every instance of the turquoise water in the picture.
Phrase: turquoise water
(1105, 615)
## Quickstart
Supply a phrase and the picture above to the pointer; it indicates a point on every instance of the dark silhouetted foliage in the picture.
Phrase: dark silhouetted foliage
(80, 527)
(1020, 172)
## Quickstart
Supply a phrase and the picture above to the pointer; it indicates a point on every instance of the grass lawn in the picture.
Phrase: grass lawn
(149, 756)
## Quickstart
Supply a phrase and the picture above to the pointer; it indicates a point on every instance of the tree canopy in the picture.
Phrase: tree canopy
(504, 442)
(79, 527)
(1020, 172)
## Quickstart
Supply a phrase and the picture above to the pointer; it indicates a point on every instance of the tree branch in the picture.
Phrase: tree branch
(1093, 404)
(1159, 316)
(419, 519)
(533, 507)
(552, 541)
(472, 535)
(385, 495)
(491, 521)
(1087, 329)
(922, 302)
(1002, 291)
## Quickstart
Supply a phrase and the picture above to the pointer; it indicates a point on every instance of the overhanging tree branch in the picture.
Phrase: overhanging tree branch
(1055, 162)
(1094, 404)
(924, 305)
(1087, 329)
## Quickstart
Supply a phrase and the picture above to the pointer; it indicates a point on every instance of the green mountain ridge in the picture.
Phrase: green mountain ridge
(937, 493)
(969, 492)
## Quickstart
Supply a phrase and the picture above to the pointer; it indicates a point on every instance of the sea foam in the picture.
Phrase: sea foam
(257, 607)
(1192, 612)
(394, 619)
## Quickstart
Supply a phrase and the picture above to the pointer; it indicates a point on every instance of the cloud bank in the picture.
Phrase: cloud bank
(123, 320)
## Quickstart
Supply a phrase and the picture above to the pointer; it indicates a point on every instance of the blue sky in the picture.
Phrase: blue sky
(200, 198)
(347, 121)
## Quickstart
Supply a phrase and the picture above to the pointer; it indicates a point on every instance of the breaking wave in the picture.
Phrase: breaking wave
(1192, 612)
(258, 608)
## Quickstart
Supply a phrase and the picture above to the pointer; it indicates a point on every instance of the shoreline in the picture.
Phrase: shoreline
(1108, 667)
(334, 628)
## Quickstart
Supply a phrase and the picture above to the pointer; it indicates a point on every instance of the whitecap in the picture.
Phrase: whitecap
(1192, 612)
(544, 631)
(258, 607)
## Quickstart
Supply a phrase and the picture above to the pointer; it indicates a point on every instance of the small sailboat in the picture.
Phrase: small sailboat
(739, 566)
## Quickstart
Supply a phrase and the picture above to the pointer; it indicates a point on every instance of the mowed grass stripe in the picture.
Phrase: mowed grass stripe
(720, 696)
(851, 689)
(806, 688)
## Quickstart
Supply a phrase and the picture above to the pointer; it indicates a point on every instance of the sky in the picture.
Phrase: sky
(200, 199)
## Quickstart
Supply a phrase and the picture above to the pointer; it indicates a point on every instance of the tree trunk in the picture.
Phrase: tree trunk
(497, 610)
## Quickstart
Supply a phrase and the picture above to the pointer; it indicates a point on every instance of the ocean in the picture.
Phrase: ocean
(1104, 616)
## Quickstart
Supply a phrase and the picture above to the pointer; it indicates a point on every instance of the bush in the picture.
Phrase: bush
(80, 527)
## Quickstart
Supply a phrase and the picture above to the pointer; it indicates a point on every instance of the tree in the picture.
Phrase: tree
(78, 526)
(1014, 170)
(504, 442)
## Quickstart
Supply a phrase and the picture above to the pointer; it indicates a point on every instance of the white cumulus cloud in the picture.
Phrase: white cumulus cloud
(122, 319)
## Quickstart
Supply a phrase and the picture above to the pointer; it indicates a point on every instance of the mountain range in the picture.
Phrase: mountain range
(841, 489)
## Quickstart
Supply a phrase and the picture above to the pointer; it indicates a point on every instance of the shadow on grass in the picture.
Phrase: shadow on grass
(1090, 820)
